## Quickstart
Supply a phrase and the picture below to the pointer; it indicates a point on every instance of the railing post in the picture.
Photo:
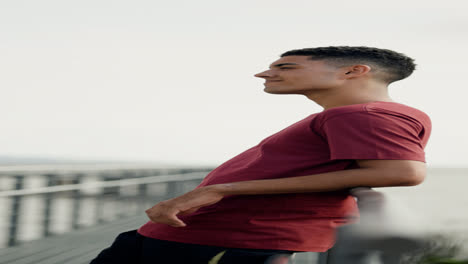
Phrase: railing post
(15, 211)
(99, 202)
(76, 203)
(142, 194)
(51, 181)
(124, 202)
(172, 189)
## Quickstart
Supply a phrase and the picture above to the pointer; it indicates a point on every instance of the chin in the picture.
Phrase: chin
(276, 91)
(269, 90)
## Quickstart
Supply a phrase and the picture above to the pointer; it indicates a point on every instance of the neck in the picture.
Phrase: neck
(330, 98)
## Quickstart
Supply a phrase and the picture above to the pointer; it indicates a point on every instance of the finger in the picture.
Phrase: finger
(171, 220)
(177, 223)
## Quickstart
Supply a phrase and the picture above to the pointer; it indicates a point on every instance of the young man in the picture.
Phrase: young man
(290, 192)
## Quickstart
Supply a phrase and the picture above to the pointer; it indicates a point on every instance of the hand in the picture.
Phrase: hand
(166, 212)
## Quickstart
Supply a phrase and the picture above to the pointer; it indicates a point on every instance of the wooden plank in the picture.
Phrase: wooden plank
(45, 243)
(89, 241)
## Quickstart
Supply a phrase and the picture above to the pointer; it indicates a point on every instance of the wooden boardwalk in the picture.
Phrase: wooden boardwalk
(76, 247)
(81, 246)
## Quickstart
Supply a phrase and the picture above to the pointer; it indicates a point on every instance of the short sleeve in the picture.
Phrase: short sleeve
(369, 135)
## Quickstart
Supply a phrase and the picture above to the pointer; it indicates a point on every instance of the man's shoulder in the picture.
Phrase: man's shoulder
(374, 109)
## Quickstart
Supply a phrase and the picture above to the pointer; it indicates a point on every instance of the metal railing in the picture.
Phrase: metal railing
(67, 199)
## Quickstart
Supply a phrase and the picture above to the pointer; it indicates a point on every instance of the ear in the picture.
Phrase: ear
(356, 71)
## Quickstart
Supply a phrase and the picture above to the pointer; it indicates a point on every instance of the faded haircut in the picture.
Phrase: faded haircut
(386, 65)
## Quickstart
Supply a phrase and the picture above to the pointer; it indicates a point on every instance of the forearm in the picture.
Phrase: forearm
(166, 212)
(323, 182)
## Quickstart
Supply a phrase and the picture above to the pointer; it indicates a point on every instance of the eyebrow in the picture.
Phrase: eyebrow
(282, 64)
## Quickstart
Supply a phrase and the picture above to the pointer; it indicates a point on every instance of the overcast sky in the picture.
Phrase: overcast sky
(172, 81)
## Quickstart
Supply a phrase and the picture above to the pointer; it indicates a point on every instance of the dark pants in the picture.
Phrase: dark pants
(133, 248)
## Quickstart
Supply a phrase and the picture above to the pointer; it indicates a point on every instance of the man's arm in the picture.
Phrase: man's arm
(372, 173)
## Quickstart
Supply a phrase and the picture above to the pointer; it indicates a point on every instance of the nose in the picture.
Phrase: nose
(264, 74)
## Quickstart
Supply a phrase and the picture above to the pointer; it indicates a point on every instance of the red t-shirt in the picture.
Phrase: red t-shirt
(323, 142)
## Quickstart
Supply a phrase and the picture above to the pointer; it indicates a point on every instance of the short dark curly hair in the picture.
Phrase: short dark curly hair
(387, 65)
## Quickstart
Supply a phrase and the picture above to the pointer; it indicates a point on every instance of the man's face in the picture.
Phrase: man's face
(298, 75)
